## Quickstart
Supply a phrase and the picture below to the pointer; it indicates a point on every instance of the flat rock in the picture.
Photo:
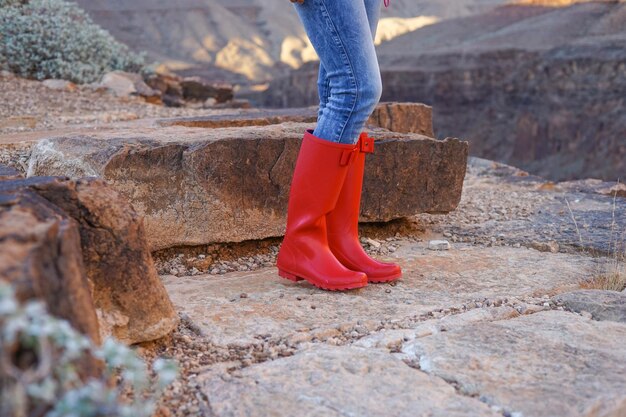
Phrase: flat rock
(198, 186)
(397, 117)
(432, 281)
(546, 364)
(603, 305)
(336, 381)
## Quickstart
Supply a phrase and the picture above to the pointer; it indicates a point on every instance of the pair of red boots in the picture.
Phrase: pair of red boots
(321, 243)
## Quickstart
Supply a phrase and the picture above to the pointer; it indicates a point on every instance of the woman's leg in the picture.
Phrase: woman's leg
(372, 7)
(341, 32)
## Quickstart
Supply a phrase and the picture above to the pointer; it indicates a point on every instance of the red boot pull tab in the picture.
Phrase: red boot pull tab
(366, 144)
(386, 3)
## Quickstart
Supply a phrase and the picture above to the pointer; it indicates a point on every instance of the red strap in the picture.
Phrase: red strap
(366, 144)
(386, 3)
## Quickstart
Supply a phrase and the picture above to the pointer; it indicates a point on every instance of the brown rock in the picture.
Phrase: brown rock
(129, 84)
(198, 186)
(197, 88)
(130, 300)
(404, 118)
(40, 255)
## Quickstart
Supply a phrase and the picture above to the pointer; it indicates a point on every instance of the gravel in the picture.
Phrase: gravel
(29, 105)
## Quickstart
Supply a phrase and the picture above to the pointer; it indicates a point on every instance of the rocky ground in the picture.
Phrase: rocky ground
(495, 324)
(512, 305)
(29, 105)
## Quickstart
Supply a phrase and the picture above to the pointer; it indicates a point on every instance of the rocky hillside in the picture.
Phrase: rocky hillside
(540, 87)
(244, 39)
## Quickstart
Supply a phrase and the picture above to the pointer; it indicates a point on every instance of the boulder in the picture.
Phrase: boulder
(601, 304)
(551, 363)
(40, 255)
(128, 296)
(199, 186)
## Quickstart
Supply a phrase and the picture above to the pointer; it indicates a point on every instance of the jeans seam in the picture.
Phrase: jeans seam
(350, 66)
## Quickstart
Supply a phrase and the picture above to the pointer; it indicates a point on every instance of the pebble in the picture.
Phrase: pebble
(373, 243)
(439, 245)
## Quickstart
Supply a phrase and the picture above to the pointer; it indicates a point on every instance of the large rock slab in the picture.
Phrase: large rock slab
(602, 305)
(197, 186)
(432, 281)
(336, 381)
(547, 364)
(129, 298)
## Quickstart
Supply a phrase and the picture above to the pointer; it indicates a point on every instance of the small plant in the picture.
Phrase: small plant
(40, 369)
(611, 272)
(56, 39)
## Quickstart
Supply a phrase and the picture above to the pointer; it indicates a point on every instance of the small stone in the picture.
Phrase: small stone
(61, 85)
(373, 243)
(439, 245)
(243, 295)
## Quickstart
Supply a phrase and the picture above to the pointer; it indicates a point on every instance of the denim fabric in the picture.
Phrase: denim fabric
(342, 33)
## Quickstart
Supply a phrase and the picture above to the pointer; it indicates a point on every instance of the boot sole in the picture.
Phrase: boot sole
(342, 287)
(383, 280)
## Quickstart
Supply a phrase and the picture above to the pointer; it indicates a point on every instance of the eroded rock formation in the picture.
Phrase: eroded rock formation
(80, 247)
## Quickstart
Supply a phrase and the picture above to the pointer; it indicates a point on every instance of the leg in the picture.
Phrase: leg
(341, 34)
(372, 8)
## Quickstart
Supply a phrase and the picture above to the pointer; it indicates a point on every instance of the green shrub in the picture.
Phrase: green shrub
(56, 39)
(51, 383)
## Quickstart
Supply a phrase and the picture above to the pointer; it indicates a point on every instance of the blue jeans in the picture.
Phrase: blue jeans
(342, 33)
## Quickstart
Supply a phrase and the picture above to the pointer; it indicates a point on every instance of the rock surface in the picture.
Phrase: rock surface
(602, 305)
(502, 205)
(197, 186)
(554, 363)
(484, 316)
(130, 301)
(432, 281)
(336, 381)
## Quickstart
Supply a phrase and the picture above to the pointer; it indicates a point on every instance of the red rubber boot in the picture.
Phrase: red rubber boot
(317, 180)
(343, 223)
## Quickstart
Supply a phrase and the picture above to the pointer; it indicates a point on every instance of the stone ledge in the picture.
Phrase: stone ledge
(200, 186)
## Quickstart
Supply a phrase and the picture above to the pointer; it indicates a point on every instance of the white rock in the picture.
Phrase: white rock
(372, 243)
(439, 245)
(55, 84)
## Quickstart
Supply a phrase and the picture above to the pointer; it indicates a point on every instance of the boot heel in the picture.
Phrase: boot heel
(289, 276)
